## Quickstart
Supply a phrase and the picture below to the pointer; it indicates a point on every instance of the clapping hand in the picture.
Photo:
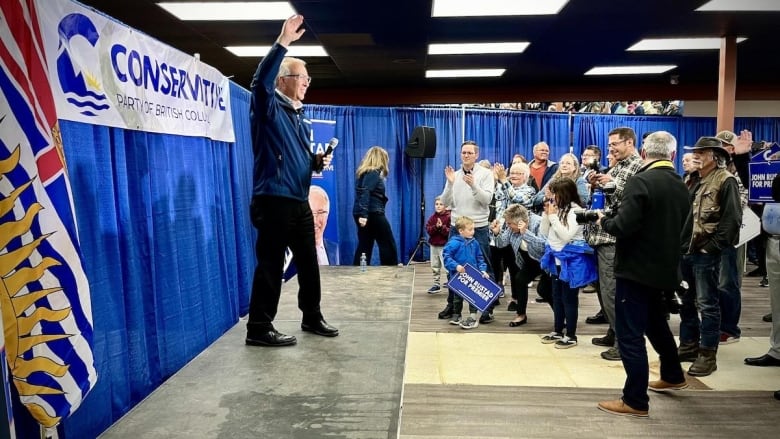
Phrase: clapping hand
(449, 172)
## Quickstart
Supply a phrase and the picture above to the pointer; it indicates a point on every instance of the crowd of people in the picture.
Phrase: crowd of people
(532, 222)
(658, 235)
(662, 108)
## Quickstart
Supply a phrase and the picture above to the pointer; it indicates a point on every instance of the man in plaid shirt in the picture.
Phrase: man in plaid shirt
(622, 145)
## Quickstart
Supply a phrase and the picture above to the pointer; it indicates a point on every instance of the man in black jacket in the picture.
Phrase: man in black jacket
(648, 227)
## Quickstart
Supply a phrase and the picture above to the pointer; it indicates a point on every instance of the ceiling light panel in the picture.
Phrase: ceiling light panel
(650, 44)
(476, 48)
(740, 5)
(489, 8)
(229, 11)
(630, 70)
(294, 50)
(464, 73)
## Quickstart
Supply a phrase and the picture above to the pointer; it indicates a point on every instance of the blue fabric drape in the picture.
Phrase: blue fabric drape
(167, 248)
(500, 134)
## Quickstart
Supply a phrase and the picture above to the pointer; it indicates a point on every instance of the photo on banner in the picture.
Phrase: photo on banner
(322, 196)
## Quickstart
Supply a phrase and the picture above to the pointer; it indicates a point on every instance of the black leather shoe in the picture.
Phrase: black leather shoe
(270, 337)
(777, 395)
(599, 319)
(764, 360)
(320, 327)
(767, 318)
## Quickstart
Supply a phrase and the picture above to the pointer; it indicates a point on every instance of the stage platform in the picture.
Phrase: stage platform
(398, 371)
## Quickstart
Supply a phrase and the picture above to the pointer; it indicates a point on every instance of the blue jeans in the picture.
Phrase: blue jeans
(565, 303)
(640, 311)
(729, 284)
(700, 270)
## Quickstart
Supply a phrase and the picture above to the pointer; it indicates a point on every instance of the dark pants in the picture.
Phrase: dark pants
(377, 229)
(640, 311)
(729, 291)
(700, 270)
(520, 279)
(501, 259)
(565, 304)
(281, 223)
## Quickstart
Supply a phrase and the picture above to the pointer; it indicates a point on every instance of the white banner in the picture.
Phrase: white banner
(103, 72)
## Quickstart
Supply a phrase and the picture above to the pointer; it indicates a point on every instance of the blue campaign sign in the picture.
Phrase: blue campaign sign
(763, 168)
(475, 289)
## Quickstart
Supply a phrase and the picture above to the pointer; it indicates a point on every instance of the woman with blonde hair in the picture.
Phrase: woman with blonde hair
(568, 167)
(369, 208)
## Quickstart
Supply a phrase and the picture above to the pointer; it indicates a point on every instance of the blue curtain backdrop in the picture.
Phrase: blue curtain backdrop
(169, 248)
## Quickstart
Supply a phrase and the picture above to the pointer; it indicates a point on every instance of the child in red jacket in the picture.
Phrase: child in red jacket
(438, 227)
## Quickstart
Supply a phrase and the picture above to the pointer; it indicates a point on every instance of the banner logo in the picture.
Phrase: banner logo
(81, 88)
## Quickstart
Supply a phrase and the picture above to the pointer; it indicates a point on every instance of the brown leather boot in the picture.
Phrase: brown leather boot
(688, 352)
(705, 363)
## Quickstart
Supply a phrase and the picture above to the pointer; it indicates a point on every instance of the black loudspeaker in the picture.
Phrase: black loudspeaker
(422, 143)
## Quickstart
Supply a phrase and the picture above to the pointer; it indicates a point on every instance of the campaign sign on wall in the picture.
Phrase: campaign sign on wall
(763, 168)
(475, 289)
(322, 195)
(105, 73)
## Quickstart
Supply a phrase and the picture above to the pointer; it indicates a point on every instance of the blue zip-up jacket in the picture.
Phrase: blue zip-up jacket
(280, 136)
(462, 251)
(369, 194)
(578, 263)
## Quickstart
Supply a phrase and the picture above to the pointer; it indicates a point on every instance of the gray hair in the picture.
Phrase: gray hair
(515, 213)
(318, 191)
(287, 62)
(521, 167)
(659, 145)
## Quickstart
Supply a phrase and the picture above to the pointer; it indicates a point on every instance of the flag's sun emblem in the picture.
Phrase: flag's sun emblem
(17, 271)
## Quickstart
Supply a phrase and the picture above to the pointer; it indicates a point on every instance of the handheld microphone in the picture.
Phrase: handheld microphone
(332, 144)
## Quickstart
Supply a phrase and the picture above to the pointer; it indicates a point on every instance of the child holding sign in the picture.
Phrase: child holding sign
(460, 250)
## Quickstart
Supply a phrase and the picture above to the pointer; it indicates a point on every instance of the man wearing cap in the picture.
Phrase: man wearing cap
(712, 225)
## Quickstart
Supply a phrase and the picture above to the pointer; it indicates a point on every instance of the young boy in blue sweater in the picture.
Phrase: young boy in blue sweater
(460, 250)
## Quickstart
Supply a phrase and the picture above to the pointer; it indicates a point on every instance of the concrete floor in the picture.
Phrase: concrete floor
(353, 386)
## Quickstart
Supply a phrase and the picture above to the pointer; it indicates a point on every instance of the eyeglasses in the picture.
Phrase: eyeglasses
(467, 153)
(320, 212)
(299, 76)
(614, 144)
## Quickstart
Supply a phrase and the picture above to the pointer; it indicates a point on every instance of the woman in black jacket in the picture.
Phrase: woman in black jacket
(369, 209)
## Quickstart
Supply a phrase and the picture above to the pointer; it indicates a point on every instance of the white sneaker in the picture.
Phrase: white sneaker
(551, 338)
(469, 323)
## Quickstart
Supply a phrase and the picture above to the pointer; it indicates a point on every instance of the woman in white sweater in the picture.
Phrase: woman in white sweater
(560, 226)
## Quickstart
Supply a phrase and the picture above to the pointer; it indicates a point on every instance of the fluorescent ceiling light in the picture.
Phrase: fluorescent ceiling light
(301, 51)
(219, 11)
(740, 5)
(484, 8)
(476, 48)
(629, 70)
(464, 73)
(678, 44)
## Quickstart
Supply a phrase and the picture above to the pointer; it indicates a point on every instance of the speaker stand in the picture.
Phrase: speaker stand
(421, 241)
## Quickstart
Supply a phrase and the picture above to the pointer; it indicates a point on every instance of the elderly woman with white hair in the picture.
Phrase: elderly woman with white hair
(520, 233)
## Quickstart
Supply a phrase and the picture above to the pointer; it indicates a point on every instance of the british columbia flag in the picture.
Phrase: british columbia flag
(44, 294)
